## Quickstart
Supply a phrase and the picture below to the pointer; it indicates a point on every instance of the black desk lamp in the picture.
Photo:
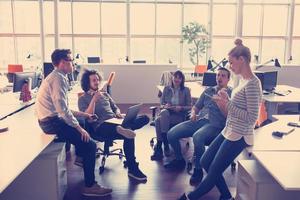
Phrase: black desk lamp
(276, 63)
(224, 61)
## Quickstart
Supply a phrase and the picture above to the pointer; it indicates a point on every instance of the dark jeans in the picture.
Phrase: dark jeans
(215, 160)
(108, 132)
(87, 150)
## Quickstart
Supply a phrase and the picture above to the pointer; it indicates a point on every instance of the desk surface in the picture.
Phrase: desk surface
(20, 145)
(283, 166)
(196, 88)
(264, 141)
(293, 97)
(10, 103)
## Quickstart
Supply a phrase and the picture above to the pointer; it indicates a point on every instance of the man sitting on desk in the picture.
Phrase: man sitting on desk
(203, 130)
(56, 118)
(100, 103)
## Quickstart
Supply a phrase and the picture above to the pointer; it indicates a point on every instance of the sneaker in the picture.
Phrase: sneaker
(96, 190)
(183, 197)
(196, 176)
(78, 161)
(167, 151)
(221, 198)
(135, 173)
(130, 134)
(176, 164)
(157, 154)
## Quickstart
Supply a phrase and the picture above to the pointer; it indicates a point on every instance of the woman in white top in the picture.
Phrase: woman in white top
(242, 112)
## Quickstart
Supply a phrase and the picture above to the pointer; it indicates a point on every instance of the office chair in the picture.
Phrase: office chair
(106, 152)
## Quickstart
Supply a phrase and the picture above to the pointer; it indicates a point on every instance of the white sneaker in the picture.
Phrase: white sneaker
(126, 132)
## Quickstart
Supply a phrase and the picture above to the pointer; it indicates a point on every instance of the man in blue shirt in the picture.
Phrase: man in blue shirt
(55, 117)
(203, 129)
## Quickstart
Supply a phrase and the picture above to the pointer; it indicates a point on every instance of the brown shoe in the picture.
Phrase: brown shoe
(96, 190)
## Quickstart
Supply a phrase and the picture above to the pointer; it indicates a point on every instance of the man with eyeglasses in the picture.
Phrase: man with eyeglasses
(55, 117)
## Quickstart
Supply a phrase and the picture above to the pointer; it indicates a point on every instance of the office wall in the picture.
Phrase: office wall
(134, 83)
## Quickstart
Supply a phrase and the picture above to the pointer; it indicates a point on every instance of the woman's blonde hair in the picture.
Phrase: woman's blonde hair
(240, 50)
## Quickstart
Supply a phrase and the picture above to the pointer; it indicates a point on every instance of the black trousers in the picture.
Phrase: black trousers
(87, 150)
(108, 132)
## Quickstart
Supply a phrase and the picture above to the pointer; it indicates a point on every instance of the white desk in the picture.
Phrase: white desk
(293, 97)
(283, 166)
(264, 141)
(20, 145)
(10, 103)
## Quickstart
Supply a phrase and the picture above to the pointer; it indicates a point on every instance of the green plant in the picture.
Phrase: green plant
(196, 36)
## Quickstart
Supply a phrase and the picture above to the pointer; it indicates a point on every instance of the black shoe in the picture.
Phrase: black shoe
(196, 176)
(175, 164)
(221, 198)
(157, 154)
(135, 173)
(183, 197)
(167, 151)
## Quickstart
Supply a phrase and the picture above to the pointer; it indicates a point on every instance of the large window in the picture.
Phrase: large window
(147, 29)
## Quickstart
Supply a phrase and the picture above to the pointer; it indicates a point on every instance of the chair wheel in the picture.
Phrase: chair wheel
(101, 169)
(103, 161)
(120, 156)
(97, 155)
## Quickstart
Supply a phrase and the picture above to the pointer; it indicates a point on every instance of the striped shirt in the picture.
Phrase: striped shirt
(243, 109)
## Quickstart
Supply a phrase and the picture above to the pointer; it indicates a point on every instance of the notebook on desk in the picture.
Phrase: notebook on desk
(131, 114)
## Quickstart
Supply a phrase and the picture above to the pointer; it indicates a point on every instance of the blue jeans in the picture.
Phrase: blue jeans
(215, 160)
(202, 131)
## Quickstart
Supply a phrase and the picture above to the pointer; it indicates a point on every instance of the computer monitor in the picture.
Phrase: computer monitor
(209, 79)
(48, 68)
(139, 61)
(268, 79)
(21, 77)
(93, 59)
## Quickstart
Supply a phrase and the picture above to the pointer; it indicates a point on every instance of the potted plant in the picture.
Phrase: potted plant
(196, 36)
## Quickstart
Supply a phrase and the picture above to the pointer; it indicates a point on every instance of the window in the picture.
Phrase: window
(251, 20)
(29, 21)
(278, 14)
(224, 19)
(296, 52)
(48, 17)
(253, 45)
(168, 19)
(142, 49)
(87, 47)
(7, 55)
(167, 50)
(114, 50)
(65, 21)
(5, 17)
(29, 46)
(113, 18)
(196, 13)
(297, 21)
(272, 48)
(86, 18)
(49, 48)
(221, 48)
(66, 43)
(142, 19)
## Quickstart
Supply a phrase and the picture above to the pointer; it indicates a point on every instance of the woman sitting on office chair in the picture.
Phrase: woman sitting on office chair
(242, 112)
(175, 103)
